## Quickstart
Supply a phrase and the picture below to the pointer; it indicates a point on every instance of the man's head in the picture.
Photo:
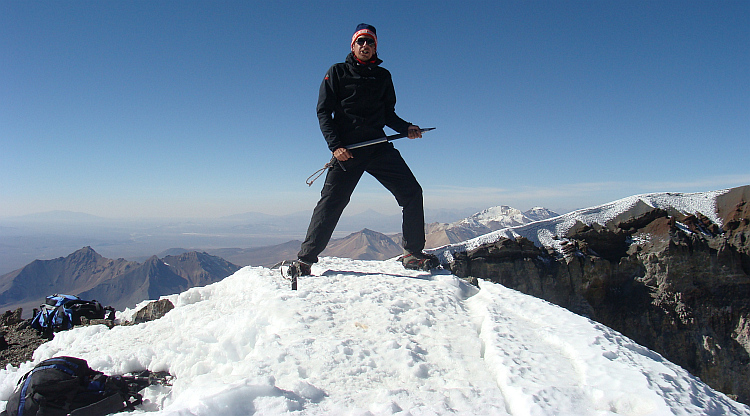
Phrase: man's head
(364, 42)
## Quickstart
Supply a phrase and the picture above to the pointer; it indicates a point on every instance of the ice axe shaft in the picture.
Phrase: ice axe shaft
(384, 139)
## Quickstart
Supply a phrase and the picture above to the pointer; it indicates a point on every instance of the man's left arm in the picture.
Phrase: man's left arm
(392, 120)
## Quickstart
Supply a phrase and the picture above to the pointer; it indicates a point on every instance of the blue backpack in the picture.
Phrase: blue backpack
(61, 312)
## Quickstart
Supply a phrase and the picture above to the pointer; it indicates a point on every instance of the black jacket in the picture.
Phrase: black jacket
(355, 102)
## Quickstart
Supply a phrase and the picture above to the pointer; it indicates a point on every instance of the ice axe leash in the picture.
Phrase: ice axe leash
(311, 179)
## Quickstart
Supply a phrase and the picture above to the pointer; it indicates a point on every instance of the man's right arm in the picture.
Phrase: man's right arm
(326, 106)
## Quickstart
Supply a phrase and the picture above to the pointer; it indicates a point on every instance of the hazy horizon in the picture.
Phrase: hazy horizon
(53, 234)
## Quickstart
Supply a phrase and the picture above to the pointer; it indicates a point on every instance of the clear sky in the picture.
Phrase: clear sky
(207, 108)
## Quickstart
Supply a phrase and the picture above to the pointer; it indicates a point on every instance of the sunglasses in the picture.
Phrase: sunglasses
(364, 40)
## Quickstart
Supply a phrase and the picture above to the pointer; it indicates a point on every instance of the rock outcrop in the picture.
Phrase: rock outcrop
(18, 340)
(676, 283)
(153, 311)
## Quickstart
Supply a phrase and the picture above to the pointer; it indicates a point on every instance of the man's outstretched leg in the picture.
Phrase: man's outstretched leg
(334, 197)
(391, 170)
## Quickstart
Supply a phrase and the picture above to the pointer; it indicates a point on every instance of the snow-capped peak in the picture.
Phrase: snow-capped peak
(495, 217)
(540, 213)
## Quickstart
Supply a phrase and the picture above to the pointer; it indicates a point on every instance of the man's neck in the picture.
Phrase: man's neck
(371, 61)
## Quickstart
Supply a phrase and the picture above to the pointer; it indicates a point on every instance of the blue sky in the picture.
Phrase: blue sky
(204, 109)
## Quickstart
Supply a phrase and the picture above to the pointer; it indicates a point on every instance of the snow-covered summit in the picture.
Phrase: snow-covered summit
(370, 338)
(540, 213)
(500, 214)
(503, 216)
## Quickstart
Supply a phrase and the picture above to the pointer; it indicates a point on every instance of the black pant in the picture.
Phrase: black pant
(385, 164)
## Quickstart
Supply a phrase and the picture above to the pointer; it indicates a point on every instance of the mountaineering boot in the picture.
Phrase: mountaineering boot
(419, 261)
(298, 268)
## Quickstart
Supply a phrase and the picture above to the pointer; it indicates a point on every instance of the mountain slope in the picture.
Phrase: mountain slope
(368, 337)
(80, 271)
(148, 281)
(198, 269)
(118, 283)
(158, 277)
(364, 245)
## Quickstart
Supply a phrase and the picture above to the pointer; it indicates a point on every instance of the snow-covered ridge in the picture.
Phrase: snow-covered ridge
(370, 338)
(548, 232)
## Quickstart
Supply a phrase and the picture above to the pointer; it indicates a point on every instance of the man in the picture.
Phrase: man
(356, 101)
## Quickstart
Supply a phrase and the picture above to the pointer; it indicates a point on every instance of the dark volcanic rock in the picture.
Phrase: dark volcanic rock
(154, 310)
(677, 284)
(18, 340)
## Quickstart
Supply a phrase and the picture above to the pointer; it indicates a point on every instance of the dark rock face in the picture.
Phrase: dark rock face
(677, 284)
(18, 340)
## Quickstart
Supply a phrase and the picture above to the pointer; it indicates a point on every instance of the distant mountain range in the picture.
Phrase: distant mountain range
(119, 283)
(122, 283)
(49, 235)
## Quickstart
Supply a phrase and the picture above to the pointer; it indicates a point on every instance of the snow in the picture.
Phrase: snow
(550, 232)
(502, 214)
(370, 338)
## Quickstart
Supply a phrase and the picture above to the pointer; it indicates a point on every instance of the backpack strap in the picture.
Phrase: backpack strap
(110, 404)
(121, 399)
